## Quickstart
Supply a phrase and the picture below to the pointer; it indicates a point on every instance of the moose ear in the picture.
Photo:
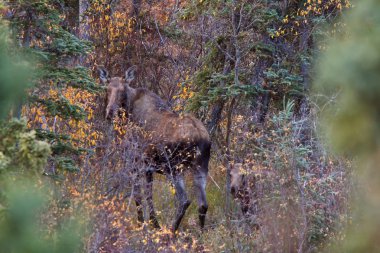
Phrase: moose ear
(130, 74)
(103, 74)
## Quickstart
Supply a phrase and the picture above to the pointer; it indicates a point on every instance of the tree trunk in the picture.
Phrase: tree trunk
(228, 155)
(83, 26)
(261, 105)
(136, 8)
(71, 9)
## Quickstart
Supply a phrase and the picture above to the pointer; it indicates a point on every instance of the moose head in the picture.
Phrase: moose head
(237, 177)
(118, 89)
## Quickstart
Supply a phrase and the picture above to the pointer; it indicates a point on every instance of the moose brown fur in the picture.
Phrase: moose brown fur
(243, 188)
(176, 143)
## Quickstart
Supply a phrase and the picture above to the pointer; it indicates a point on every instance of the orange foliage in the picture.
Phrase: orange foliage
(81, 132)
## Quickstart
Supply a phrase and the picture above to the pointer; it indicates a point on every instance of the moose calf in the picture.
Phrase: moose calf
(243, 188)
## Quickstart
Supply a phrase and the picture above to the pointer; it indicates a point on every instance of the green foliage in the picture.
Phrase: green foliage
(18, 221)
(13, 73)
(269, 61)
(60, 143)
(350, 68)
(67, 44)
(66, 164)
(211, 91)
(20, 149)
(21, 223)
(348, 77)
(78, 77)
(60, 107)
(281, 80)
(172, 32)
(46, 25)
(61, 146)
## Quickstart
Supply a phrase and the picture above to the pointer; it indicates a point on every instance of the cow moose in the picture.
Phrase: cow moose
(177, 143)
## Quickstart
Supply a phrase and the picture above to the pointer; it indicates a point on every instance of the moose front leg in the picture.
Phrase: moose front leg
(182, 201)
(200, 188)
(149, 193)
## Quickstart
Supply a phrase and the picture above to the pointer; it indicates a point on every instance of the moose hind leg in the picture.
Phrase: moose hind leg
(182, 201)
(200, 188)
(138, 201)
(152, 214)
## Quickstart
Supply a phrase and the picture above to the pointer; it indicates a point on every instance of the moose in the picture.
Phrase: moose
(177, 143)
(243, 188)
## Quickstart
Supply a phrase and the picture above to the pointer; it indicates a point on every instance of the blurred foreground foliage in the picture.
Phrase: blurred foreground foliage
(24, 197)
(19, 148)
(13, 73)
(349, 76)
(22, 227)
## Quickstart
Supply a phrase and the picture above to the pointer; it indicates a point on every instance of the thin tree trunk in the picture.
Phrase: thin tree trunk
(83, 26)
(236, 24)
(136, 8)
(228, 155)
(303, 109)
(261, 105)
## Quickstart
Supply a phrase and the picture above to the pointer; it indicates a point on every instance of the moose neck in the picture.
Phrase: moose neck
(130, 97)
(146, 108)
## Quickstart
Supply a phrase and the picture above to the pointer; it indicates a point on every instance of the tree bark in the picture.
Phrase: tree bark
(261, 105)
(136, 7)
(82, 19)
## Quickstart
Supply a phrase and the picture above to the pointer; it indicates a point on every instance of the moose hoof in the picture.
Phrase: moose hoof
(154, 223)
